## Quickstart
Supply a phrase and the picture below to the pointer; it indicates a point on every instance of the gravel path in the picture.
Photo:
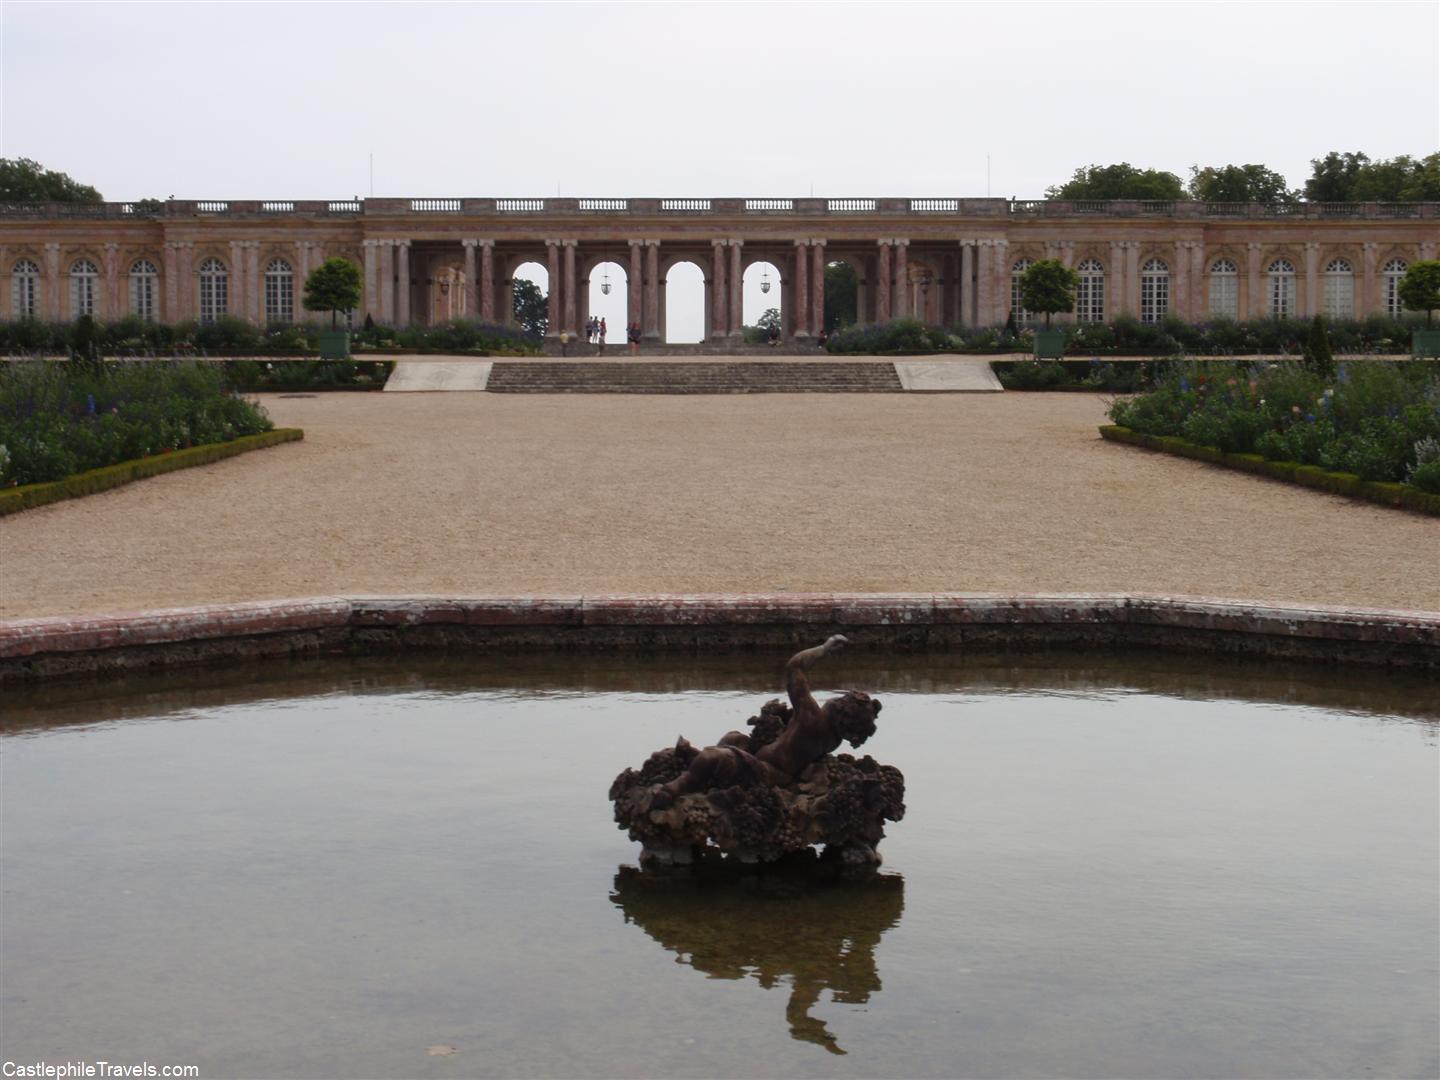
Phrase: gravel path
(480, 493)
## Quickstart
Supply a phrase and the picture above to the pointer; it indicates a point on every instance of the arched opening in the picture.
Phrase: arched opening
(842, 295)
(527, 302)
(682, 305)
(762, 306)
(608, 298)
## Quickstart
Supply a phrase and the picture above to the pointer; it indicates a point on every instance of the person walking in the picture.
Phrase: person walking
(633, 336)
(600, 335)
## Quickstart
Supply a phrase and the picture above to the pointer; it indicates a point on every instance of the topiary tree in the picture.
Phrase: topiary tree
(1420, 288)
(1318, 356)
(1048, 286)
(333, 286)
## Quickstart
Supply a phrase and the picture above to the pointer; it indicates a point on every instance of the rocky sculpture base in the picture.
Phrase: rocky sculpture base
(839, 803)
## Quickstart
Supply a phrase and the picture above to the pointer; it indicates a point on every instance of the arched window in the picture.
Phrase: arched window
(1282, 288)
(1017, 307)
(143, 278)
(1339, 289)
(1225, 289)
(1090, 296)
(1392, 274)
(279, 292)
(214, 290)
(83, 276)
(1154, 291)
(25, 290)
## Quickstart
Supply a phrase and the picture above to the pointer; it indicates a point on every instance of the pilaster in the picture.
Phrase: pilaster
(967, 282)
(737, 294)
(51, 280)
(1254, 283)
(1312, 279)
(112, 281)
(387, 282)
(900, 298)
(1370, 300)
(571, 315)
(472, 285)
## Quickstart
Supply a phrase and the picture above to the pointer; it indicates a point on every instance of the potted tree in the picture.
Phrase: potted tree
(333, 286)
(1420, 291)
(1048, 286)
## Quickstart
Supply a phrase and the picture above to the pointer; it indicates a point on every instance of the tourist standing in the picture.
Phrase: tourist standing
(633, 336)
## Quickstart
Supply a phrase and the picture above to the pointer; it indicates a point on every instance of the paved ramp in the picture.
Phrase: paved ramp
(429, 375)
(947, 376)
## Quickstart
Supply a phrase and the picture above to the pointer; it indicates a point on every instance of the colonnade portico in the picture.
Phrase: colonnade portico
(950, 262)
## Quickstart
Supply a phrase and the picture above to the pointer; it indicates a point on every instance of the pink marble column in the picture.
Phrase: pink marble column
(189, 305)
(387, 282)
(984, 283)
(802, 290)
(902, 280)
(1197, 279)
(737, 296)
(882, 285)
(1180, 302)
(719, 295)
(652, 290)
(967, 282)
(487, 281)
(571, 316)
(235, 302)
(817, 286)
(257, 307)
(371, 304)
(472, 285)
(552, 307)
(402, 295)
(635, 286)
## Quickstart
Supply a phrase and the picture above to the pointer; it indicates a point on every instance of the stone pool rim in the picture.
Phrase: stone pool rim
(36, 649)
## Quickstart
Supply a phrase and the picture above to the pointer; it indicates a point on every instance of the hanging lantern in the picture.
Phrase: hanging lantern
(765, 280)
(605, 282)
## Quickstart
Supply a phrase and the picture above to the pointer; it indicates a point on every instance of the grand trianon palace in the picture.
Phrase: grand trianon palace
(948, 261)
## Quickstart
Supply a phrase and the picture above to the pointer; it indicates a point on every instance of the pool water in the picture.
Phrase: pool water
(407, 867)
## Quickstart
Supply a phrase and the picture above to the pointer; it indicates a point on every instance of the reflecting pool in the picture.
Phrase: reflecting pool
(406, 867)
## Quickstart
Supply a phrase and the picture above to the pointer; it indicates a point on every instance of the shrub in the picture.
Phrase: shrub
(57, 419)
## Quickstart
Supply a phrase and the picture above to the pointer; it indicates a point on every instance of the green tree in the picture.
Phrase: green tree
(333, 286)
(23, 180)
(1048, 285)
(1420, 288)
(1318, 355)
(1122, 181)
(1333, 177)
(842, 290)
(769, 319)
(1239, 183)
(1423, 184)
(531, 306)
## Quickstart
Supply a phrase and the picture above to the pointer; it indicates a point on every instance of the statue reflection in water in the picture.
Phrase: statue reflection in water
(817, 931)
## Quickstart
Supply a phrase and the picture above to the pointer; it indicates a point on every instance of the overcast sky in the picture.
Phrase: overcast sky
(289, 100)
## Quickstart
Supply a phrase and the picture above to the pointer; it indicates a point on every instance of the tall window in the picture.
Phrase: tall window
(143, 279)
(279, 292)
(83, 276)
(1017, 307)
(1392, 273)
(1154, 290)
(1282, 288)
(214, 290)
(25, 290)
(1225, 289)
(1339, 289)
(1090, 296)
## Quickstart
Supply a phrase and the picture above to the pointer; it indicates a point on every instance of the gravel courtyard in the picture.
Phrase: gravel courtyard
(488, 493)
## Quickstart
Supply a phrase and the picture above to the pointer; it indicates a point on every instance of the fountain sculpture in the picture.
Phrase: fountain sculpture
(772, 792)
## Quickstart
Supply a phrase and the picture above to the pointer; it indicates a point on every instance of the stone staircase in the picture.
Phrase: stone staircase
(693, 377)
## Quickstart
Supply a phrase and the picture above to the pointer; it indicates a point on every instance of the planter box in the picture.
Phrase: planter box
(1049, 344)
(334, 344)
(1425, 343)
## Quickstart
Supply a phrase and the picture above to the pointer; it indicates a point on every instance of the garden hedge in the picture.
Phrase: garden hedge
(15, 499)
(1405, 496)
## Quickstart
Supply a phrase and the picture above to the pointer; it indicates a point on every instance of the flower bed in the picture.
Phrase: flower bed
(1374, 422)
(61, 419)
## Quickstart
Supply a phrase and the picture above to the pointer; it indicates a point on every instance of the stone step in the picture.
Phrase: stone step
(601, 377)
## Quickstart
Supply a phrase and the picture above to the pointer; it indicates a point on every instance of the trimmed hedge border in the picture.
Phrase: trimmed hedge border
(38, 649)
(1403, 496)
(13, 500)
